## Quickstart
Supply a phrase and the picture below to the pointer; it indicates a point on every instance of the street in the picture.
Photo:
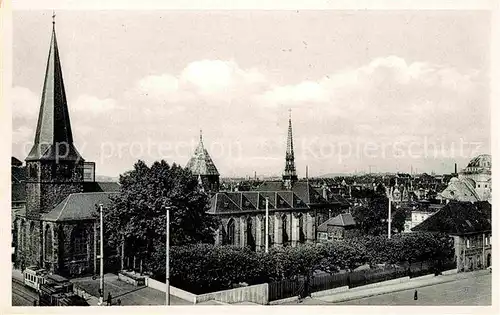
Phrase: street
(474, 290)
(22, 295)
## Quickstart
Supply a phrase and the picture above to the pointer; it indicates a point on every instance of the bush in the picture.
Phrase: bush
(203, 268)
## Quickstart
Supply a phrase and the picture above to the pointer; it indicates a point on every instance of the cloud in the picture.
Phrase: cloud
(25, 104)
(93, 105)
(22, 134)
(207, 79)
(243, 113)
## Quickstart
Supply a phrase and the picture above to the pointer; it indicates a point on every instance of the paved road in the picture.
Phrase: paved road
(21, 295)
(127, 293)
(472, 291)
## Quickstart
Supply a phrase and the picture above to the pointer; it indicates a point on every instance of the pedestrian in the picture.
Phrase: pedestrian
(34, 303)
(109, 299)
(415, 296)
(119, 302)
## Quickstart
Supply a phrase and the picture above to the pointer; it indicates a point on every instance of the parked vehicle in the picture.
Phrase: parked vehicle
(58, 291)
(34, 277)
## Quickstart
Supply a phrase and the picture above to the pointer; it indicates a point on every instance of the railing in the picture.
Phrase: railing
(289, 288)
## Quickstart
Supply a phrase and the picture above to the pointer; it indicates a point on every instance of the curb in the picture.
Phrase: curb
(371, 294)
(439, 280)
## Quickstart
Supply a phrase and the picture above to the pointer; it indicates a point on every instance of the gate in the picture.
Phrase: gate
(286, 288)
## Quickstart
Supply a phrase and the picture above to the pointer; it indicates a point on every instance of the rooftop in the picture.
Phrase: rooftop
(79, 206)
(457, 218)
(201, 163)
(342, 220)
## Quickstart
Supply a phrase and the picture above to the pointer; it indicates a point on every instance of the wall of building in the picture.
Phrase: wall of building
(472, 251)
(300, 228)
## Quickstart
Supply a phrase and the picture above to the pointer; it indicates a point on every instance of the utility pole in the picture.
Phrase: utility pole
(267, 225)
(389, 219)
(101, 256)
(167, 256)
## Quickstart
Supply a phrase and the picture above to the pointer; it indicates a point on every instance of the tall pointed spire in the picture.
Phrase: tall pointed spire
(53, 137)
(290, 175)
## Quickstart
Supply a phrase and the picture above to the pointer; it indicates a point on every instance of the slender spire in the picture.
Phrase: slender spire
(290, 175)
(201, 137)
(53, 137)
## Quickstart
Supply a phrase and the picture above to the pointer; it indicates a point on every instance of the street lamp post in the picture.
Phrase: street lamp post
(167, 256)
(101, 257)
(389, 219)
(267, 225)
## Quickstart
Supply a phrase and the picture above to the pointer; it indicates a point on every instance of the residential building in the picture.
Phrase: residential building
(336, 228)
(469, 224)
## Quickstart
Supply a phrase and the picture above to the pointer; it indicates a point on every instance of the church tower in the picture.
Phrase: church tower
(202, 166)
(289, 175)
(54, 166)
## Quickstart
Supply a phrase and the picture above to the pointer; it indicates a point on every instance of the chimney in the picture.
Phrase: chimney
(455, 168)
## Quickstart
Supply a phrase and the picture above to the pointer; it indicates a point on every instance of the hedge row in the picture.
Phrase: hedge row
(205, 268)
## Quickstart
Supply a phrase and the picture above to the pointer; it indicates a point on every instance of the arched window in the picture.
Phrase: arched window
(250, 238)
(302, 237)
(33, 240)
(48, 243)
(231, 232)
(79, 243)
(284, 230)
(22, 235)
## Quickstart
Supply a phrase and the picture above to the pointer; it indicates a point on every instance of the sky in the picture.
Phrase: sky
(380, 90)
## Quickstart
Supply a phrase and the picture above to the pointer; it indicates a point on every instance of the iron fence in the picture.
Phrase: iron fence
(288, 288)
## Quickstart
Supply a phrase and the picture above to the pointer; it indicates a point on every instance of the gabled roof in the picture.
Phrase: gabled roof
(101, 187)
(307, 193)
(302, 189)
(53, 137)
(253, 201)
(457, 218)
(201, 163)
(342, 220)
(270, 186)
(79, 206)
(460, 190)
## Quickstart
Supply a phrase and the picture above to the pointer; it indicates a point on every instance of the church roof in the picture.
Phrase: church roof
(101, 187)
(457, 218)
(79, 206)
(201, 163)
(255, 201)
(53, 137)
(302, 189)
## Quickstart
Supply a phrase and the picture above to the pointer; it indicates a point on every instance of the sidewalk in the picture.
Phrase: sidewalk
(354, 293)
(127, 293)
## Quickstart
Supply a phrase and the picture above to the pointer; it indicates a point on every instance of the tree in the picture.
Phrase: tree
(138, 213)
(398, 219)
